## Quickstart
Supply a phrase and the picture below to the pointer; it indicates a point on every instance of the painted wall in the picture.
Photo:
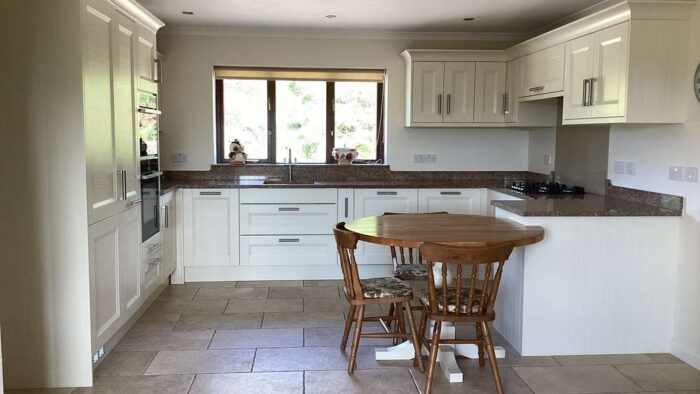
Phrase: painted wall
(582, 156)
(541, 143)
(187, 98)
(654, 149)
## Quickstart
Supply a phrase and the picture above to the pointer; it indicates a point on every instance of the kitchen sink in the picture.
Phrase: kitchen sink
(285, 181)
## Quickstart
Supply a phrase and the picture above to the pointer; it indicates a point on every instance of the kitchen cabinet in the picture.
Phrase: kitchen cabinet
(210, 221)
(374, 202)
(147, 65)
(511, 99)
(428, 87)
(542, 72)
(460, 201)
(490, 92)
(168, 234)
(460, 79)
(596, 74)
(282, 250)
(281, 219)
(443, 92)
(115, 274)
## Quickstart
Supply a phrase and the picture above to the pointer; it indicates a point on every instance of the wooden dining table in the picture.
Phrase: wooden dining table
(411, 230)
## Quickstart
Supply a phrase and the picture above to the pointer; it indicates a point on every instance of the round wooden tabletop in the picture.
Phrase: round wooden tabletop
(411, 230)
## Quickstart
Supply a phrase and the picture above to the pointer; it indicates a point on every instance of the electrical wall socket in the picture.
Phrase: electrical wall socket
(417, 158)
(630, 168)
(547, 160)
(690, 174)
(675, 173)
(179, 157)
(424, 158)
(620, 167)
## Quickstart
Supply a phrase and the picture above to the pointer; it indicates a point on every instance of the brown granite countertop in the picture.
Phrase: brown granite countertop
(580, 205)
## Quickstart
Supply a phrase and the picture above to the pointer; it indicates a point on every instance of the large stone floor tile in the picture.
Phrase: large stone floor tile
(389, 380)
(576, 379)
(156, 322)
(124, 364)
(323, 283)
(296, 320)
(325, 305)
(254, 306)
(604, 359)
(476, 381)
(211, 284)
(512, 360)
(249, 383)
(178, 292)
(331, 336)
(304, 292)
(170, 340)
(271, 283)
(660, 377)
(300, 359)
(224, 293)
(188, 307)
(219, 321)
(201, 361)
(165, 384)
(662, 358)
(260, 338)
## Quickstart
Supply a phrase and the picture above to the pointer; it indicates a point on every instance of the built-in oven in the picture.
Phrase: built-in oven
(148, 119)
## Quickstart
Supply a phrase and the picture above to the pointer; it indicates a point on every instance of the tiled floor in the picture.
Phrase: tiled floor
(283, 337)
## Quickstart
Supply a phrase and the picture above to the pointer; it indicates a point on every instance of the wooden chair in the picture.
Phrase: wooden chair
(362, 292)
(477, 276)
(408, 262)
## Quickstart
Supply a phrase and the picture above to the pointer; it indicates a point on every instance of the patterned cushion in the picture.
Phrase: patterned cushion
(385, 287)
(451, 300)
(411, 271)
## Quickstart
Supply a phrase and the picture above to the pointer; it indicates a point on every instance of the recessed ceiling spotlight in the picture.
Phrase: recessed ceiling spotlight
(468, 19)
(330, 16)
(187, 13)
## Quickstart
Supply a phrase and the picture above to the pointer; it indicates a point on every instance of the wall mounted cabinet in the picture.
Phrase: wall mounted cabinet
(541, 74)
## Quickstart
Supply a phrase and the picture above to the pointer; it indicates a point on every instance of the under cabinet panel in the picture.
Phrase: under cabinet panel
(267, 219)
(288, 250)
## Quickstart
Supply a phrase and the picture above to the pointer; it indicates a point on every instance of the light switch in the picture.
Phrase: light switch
(690, 174)
(675, 173)
(547, 160)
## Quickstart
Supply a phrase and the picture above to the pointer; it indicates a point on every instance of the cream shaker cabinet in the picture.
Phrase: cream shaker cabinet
(490, 92)
(147, 66)
(542, 72)
(458, 201)
(458, 90)
(211, 227)
(428, 87)
(596, 74)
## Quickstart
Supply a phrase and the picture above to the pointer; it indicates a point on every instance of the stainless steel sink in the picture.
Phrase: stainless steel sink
(285, 181)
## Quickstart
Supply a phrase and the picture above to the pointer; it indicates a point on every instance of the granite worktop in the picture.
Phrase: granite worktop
(617, 201)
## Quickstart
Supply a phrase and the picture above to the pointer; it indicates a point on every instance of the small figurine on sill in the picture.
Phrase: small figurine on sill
(237, 155)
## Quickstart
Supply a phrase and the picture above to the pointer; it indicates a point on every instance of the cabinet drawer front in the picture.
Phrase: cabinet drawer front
(460, 201)
(542, 72)
(288, 250)
(275, 219)
(289, 196)
(150, 274)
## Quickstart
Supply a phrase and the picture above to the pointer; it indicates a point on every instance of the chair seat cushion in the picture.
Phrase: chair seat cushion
(411, 272)
(452, 300)
(385, 287)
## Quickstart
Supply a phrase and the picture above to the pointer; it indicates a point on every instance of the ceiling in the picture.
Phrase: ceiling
(491, 16)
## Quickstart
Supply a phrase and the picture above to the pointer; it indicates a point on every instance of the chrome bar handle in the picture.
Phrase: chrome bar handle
(209, 193)
(439, 104)
(506, 110)
(347, 207)
(387, 193)
(156, 223)
(449, 103)
(450, 193)
(590, 91)
(288, 240)
(288, 209)
(584, 99)
(158, 77)
(536, 88)
(124, 185)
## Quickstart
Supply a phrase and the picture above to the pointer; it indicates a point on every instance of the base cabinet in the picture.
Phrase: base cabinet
(114, 273)
(168, 235)
(288, 250)
(460, 201)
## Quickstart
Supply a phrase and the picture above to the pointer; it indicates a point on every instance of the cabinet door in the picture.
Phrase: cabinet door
(102, 191)
(462, 201)
(459, 92)
(105, 300)
(490, 92)
(211, 227)
(374, 202)
(129, 262)
(427, 92)
(610, 67)
(511, 101)
(146, 66)
(542, 72)
(580, 56)
(168, 237)
(125, 137)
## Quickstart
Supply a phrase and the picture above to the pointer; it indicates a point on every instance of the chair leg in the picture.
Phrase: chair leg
(400, 328)
(356, 339)
(390, 314)
(348, 323)
(434, 345)
(423, 324)
(488, 343)
(414, 336)
(480, 344)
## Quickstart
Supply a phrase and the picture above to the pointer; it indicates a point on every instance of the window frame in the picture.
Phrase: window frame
(221, 158)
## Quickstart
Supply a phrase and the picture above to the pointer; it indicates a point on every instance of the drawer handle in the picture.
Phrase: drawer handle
(450, 193)
(288, 240)
(288, 209)
(536, 88)
(387, 193)
(347, 207)
(209, 193)
(154, 262)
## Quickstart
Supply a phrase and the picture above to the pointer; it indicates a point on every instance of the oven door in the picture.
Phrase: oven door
(150, 223)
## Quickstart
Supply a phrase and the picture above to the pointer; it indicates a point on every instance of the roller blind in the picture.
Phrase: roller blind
(296, 74)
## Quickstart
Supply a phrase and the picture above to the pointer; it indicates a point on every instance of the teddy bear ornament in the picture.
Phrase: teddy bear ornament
(237, 155)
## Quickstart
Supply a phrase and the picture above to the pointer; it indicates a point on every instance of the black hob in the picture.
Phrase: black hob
(537, 188)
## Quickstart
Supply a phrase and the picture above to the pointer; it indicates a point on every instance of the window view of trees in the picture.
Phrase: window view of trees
(300, 110)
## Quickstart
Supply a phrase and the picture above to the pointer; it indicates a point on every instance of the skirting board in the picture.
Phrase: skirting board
(298, 272)
(685, 353)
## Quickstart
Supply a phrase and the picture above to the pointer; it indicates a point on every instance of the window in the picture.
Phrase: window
(308, 111)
